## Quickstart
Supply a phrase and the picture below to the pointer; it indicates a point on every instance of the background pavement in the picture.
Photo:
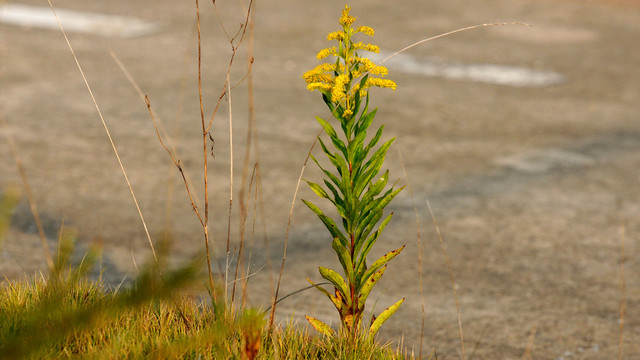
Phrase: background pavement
(524, 139)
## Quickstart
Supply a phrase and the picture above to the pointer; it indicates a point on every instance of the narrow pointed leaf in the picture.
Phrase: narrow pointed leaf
(318, 190)
(368, 244)
(366, 120)
(383, 201)
(367, 226)
(332, 177)
(386, 314)
(374, 140)
(336, 302)
(365, 288)
(372, 167)
(339, 144)
(328, 223)
(324, 148)
(320, 326)
(336, 196)
(356, 143)
(358, 98)
(331, 156)
(337, 280)
(345, 259)
(381, 262)
(327, 100)
(375, 189)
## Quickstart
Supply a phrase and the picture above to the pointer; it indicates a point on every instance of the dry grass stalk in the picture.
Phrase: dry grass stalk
(451, 277)
(528, 350)
(32, 202)
(420, 250)
(274, 301)
(106, 129)
(621, 285)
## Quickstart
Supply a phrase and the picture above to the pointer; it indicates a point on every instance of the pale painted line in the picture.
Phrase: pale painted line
(543, 160)
(74, 21)
(485, 73)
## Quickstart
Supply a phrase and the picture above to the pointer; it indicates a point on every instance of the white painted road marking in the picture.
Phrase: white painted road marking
(486, 73)
(543, 160)
(75, 21)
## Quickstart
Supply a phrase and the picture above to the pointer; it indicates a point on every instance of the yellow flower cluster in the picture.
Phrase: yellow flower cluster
(335, 79)
(345, 19)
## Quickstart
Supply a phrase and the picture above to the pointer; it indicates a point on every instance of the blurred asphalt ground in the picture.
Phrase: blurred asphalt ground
(531, 183)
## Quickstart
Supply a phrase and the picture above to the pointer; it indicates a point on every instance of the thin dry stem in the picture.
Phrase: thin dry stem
(32, 202)
(451, 33)
(244, 194)
(259, 200)
(230, 162)
(176, 133)
(242, 235)
(437, 37)
(286, 237)
(477, 343)
(234, 49)
(451, 277)
(420, 253)
(175, 161)
(206, 132)
(226, 272)
(265, 237)
(172, 151)
(621, 285)
(157, 264)
(106, 129)
(205, 221)
(529, 348)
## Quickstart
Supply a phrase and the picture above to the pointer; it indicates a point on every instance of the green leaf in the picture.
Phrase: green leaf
(358, 99)
(375, 189)
(329, 154)
(336, 302)
(381, 202)
(320, 326)
(328, 223)
(366, 120)
(372, 167)
(386, 314)
(345, 259)
(381, 262)
(355, 145)
(327, 100)
(365, 227)
(336, 196)
(365, 288)
(345, 183)
(374, 140)
(337, 280)
(331, 176)
(318, 190)
(339, 144)
(368, 244)
(336, 201)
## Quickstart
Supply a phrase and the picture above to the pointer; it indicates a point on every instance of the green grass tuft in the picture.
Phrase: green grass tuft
(67, 318)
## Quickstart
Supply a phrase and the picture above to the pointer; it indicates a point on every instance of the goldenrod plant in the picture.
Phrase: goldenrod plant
(353, 189)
